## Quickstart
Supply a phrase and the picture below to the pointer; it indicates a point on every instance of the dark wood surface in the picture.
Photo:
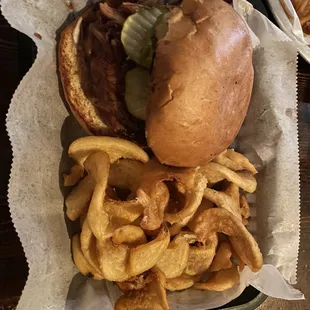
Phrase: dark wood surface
(16, 55)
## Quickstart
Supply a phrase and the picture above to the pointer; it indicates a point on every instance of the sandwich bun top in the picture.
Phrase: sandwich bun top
(201, 83)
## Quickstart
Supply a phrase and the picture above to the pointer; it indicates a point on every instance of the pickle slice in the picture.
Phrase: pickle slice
(136, 88)
(138, 36)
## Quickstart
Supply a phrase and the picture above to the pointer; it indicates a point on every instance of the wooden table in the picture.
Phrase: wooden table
(16, 56)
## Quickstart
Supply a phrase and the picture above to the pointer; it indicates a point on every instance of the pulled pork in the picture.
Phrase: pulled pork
(104, 64)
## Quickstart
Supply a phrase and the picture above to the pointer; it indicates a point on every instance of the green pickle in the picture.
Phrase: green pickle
(136, 84)
(138, 36)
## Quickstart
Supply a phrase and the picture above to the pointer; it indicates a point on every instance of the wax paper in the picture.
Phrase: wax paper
(290, 24)
(40, 130)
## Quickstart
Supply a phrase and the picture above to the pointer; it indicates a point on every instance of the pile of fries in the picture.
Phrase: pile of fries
(151, 228)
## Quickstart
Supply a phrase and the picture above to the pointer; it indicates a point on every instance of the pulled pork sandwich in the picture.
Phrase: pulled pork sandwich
(179, 75)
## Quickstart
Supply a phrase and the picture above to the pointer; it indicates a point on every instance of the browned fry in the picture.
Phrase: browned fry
(151, 296)
(234, 161)
(221, 280)
(216, 173)
(97, 166)
(80, 261)
(129, 234)
(78, 200)
(154, 205)
(113, 260)
(227, 199)
(76, 173)
(193, 198)
(244, 207)
(222, 258)
(201, 257)
(145, 256)
(126, 174)
(134, 283)
(174, 259)
(221, 220)
(116, 148)
(237, 260)
(182, 282)
(88, 247)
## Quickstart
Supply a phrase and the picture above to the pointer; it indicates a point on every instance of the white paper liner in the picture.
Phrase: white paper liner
(34, 124)
(291, 27)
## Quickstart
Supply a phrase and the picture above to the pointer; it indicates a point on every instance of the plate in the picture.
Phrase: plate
(285, 24)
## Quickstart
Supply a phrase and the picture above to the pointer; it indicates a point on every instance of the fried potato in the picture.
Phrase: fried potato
(221, 220)
(97, 166)
(110, 215)
(78, 200)
(153, 189)
(88, 247)
(221, 280)
(113, 260)
(189, 236)
(234, 161)
(76, 173)
(145, 256)
(126, 174)
(152, 296)
(222, 258)
(154, 205)
(129, 234)
(216, 173)
(227, 199)
(174, 259)
(182, 282)
(193, 198)
(116, 148)
(201, 257)
(244, 207)
(105, 215)
(135, 283)
(80, 261)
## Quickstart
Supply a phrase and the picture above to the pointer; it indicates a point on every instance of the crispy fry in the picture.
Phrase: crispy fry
(154, 205)
(237, 260)
(152, 296)
(76, 173)
(216, 173)
(147, 255)
(97, 166)
(244, 207)
(116, 148)
(201, 257)
(113, 260)
(193, 198)
(88, 247)
(78, 200)
(112, 214)
(105, 215)
(228, 199)
(221, 280)
(134, 283)
(80, 261)
(126, 174)
(182, 282)
(221, 220)
(241, 160)
(129, 234)
(234, 161)
(222, 258)
(174, 259)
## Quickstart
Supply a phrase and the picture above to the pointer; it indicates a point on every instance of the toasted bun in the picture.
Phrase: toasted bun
(82, 108)
(201, 86)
